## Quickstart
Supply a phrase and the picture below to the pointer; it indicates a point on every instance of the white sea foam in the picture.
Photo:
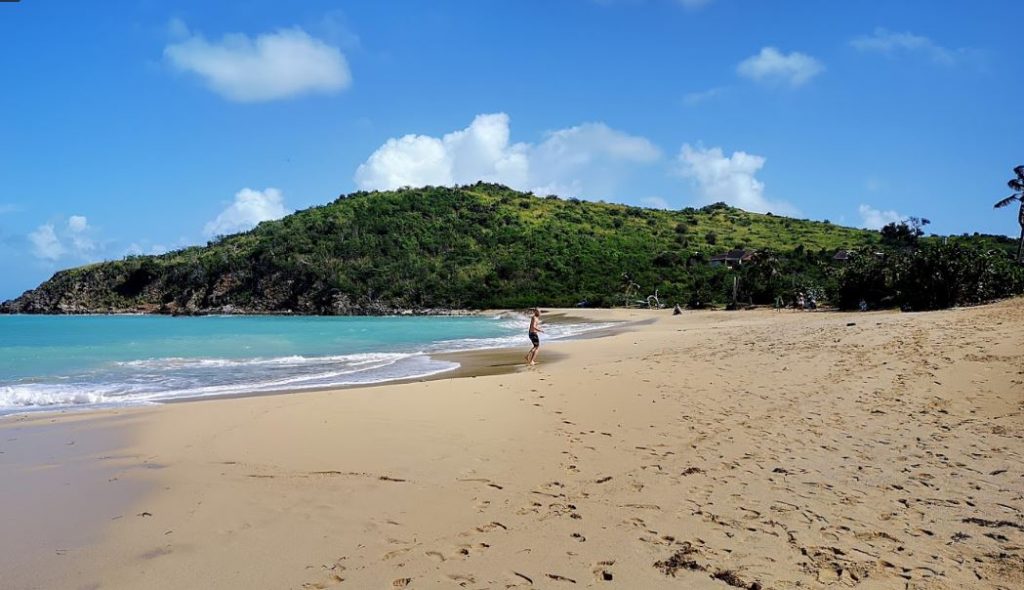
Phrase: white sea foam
(155, 380)
(284, 361)
(23, 396)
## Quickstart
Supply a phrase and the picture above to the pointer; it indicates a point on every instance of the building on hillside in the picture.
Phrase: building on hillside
(841, 256)
(732, 258)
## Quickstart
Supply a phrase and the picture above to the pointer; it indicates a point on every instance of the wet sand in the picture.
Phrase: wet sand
(61, 484)
(709, 450)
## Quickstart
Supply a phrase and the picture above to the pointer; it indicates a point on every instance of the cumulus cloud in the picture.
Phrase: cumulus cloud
(410, 160)
(78, 223)
(731, 179)
(79, 235)
(272, 66)
(585, 159)
(773, 66)
(45, 243)
(137, 249)
(892, 43)
(249, 208)
(872, 218)
(72, 238)
(655, 203)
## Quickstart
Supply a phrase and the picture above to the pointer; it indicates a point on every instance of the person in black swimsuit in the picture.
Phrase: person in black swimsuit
(534, 333)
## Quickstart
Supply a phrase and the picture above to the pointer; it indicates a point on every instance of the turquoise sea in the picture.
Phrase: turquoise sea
(51, 362)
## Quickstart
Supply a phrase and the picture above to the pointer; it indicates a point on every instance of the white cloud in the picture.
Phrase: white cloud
(78, 223)
(74, 237)
(283, 64)
(585, 159)
(729, 179)
(773, 66)
(45, 243)
(695, 98)
(8, 208)
(411, 160)
(78, 233)
(249, 208)
(872, 218)
(137, 249)
(655, 203)
(892, 43)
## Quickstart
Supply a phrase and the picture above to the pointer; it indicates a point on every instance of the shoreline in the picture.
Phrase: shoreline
(471, 363)
(748, 445)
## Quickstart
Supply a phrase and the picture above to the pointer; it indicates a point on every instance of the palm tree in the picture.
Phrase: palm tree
(1017, 186)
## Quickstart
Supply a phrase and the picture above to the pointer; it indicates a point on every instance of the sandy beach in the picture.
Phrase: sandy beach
(708, 450)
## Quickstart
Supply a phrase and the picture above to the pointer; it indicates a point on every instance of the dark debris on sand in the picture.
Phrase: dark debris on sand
(731, 578)
(683, 559)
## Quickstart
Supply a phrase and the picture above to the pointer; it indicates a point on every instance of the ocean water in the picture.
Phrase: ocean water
(52, 362)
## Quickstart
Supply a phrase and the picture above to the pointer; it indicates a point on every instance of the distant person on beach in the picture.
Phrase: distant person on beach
(534, 333)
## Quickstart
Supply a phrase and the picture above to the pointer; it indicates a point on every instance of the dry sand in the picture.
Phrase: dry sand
(708, 450)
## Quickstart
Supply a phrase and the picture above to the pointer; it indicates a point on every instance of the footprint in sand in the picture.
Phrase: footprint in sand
(467, 550)
(334, 577)
(490, 527)
(485, 481)
(551, 489)
(602, 571)
(462, 580)
(401, 583)
(395, 553)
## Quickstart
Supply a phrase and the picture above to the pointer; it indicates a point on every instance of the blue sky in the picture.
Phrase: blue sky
(142, 126)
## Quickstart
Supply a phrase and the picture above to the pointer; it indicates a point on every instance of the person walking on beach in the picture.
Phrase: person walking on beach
(534, 333)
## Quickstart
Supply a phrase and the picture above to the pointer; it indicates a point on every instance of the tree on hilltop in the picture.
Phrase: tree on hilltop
(905, 233)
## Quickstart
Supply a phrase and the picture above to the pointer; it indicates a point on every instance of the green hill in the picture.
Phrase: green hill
(479, 246)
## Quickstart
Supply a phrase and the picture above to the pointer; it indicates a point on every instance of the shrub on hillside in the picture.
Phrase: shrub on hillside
(934, 276)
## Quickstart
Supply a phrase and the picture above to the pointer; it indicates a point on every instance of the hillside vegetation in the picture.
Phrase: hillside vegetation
(471, 247)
